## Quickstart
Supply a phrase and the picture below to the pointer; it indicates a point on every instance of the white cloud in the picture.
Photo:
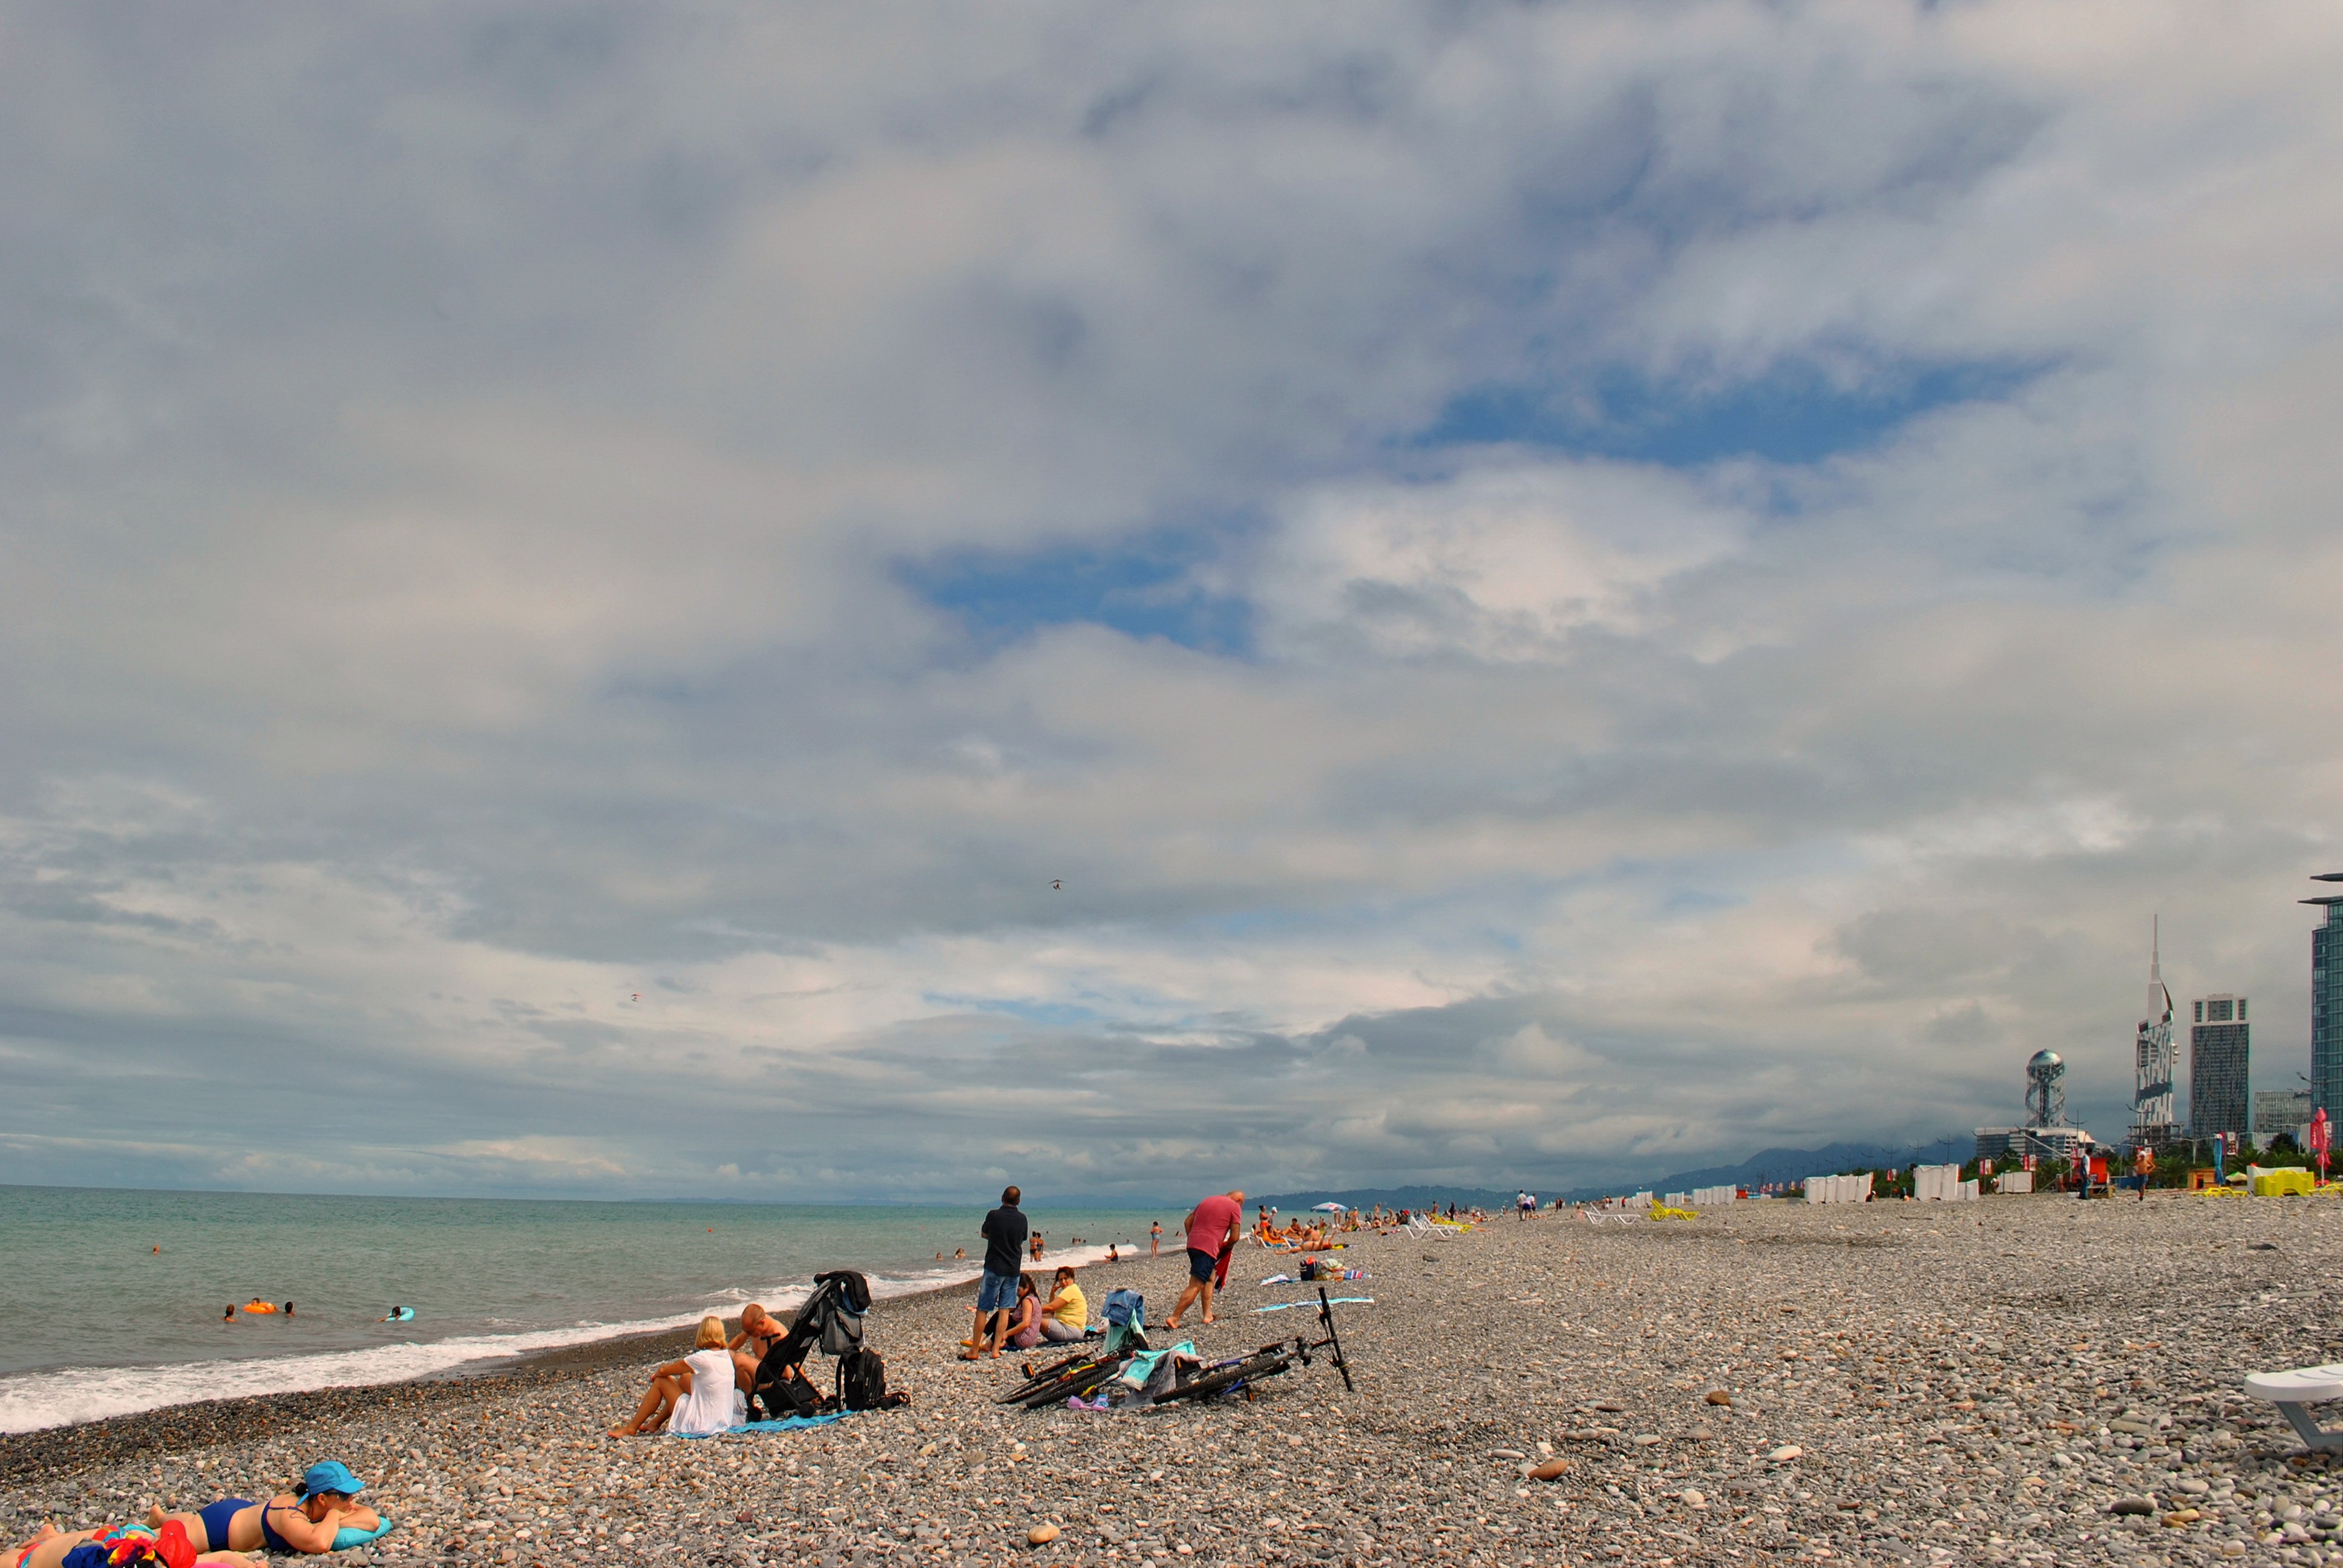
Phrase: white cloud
(462, 469)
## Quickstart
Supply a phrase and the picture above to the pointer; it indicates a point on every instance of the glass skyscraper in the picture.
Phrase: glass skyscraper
(2220, 1063)
(2327, 1005)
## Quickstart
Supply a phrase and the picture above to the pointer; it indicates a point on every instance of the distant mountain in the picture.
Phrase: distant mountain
(1776, 1165)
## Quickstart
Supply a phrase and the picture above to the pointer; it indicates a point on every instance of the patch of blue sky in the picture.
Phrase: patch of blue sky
(1696, 901)
(1798, 413)
(1146, 586)
(1060, 1014)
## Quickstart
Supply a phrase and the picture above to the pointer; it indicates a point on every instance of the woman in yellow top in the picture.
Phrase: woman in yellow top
(1067, 1314)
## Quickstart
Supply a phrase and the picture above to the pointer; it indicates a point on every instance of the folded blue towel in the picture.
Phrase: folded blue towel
(791, 1424)
(1332, 1301)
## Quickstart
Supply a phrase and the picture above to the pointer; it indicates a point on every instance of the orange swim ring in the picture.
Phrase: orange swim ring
(258, 1307)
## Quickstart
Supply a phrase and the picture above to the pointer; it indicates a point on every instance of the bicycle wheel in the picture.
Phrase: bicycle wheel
(1081, 1379)
(1225, 1379)
(1048, 1375)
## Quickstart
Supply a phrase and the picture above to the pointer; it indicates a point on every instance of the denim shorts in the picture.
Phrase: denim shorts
(1201, 1265)
(998, 1293)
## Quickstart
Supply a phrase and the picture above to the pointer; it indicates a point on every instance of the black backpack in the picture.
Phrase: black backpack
(862, 1382)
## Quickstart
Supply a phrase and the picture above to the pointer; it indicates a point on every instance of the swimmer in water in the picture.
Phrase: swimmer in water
(393, 1316)
(228, 1316)
(288, 1309)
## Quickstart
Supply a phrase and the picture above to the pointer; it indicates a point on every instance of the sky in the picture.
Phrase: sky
(830, 602)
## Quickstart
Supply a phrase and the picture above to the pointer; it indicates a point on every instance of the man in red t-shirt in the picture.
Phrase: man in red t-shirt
(1210, 1226)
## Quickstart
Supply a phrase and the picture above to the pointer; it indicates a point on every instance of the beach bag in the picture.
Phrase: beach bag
(853, 1289)
(841, 1332)
(836, 1309)
(785, 1395)
(862, 1382)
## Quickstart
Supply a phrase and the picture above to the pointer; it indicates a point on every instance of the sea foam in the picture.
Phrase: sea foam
(30, 1402)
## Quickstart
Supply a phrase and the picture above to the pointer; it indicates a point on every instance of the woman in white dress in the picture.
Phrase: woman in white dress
(694, 1396)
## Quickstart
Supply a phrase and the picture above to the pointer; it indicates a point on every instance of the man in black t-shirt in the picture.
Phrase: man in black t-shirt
(1004, 1255)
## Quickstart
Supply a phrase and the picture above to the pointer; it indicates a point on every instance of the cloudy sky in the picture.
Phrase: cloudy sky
(1568, 591)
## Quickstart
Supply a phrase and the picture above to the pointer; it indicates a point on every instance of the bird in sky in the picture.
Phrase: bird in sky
(1056, 884)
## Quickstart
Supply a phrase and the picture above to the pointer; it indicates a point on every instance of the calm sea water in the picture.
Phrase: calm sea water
(94, 1321)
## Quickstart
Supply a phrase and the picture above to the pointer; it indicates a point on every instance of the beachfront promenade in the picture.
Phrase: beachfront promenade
(1907, 1384)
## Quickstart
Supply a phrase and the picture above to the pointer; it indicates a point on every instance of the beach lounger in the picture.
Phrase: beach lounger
(2290, 1390)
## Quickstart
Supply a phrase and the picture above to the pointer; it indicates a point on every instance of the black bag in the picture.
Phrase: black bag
(853, 1288)
(832, 1316)
(862, 1382)
(783, 1391)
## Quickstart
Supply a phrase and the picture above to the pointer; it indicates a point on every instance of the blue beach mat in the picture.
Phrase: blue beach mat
(1332, 1301)
(793, 1423)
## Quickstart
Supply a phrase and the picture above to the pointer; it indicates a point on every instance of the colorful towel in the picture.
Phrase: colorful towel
(793, 1423)
(1330, 1301)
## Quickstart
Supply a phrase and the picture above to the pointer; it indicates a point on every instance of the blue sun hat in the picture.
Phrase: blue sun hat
(330, 1475)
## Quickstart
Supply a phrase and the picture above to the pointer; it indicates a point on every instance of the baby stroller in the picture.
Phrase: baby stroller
(831, 1318)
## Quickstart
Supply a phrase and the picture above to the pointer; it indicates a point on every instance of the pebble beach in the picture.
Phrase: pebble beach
(2020, 1380)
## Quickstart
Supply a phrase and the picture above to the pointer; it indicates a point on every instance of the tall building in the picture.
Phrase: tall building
(2152, 1057)
(2220, 1051)
(2277, 1111)
(2045, 1134)
(2327, 1005)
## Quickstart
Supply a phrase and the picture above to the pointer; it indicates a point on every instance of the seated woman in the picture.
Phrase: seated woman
(306, 1519)
(696, 1396)
(1066, 1314)
(1025, 1317)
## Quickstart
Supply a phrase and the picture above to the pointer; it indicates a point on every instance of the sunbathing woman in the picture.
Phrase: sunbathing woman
(698, 1394)
(50, 1546)
(306, 1519)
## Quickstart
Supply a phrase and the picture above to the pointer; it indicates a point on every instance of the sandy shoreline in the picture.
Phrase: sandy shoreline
(1906, 1384)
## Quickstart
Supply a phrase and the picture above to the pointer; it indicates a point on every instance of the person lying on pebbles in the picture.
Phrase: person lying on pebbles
(50, 1546)
(306, 1519)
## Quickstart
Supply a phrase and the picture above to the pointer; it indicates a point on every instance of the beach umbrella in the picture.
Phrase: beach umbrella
(1328, 1208)
(2320, 1135)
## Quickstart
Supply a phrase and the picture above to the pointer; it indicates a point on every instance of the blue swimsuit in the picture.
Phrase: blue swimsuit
(268, 1536)
(217, 1518)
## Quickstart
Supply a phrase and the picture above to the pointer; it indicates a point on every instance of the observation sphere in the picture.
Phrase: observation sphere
(2042, 1059)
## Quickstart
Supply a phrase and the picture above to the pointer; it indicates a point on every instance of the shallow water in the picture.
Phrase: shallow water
(94, 1321)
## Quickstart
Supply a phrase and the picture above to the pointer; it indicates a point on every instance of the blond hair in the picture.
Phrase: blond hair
(711, 1336)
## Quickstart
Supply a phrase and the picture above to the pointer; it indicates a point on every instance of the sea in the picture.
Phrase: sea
(113, 1300)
